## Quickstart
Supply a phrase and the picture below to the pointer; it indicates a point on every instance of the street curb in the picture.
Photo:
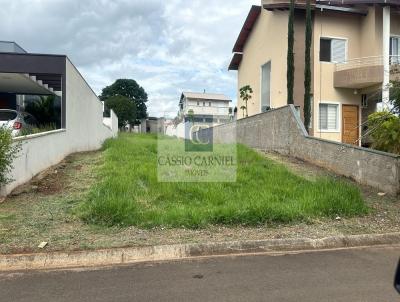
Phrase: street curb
(181, 251)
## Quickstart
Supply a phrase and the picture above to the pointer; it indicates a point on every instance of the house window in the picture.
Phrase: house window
(332, 50)
(204, 104)
(395, 50)
(198, 103)
(265, 86)
(209, 104)
(364, 101)
(328, 117)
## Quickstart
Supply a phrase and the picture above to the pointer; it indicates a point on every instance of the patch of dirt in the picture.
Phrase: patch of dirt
(52, 180)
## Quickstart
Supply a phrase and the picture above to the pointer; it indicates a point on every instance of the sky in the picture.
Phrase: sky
(167, 46)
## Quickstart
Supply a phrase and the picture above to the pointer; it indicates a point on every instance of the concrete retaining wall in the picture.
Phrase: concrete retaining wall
(85, 131)
(281, 130)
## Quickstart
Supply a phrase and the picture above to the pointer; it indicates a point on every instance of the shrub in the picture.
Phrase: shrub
(8, 152)
(385, 131)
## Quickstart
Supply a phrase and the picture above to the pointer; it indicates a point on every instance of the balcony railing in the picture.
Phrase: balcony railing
(366, 62)
(206, 110)
(363, 72)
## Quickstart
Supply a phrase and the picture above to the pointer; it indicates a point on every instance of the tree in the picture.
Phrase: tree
(290, 55)
(124, 108)
(130, 89)
(245, 95)
(307, 69)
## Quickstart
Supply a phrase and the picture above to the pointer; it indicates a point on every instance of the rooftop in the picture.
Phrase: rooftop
(358, 7)
(207, 96)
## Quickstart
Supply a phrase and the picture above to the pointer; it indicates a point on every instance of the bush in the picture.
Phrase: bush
(385, 131)
(8, 152)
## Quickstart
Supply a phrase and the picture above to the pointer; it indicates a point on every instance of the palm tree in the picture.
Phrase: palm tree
(245, 95)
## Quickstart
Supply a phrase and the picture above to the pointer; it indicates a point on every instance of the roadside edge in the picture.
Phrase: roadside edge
(90, 258)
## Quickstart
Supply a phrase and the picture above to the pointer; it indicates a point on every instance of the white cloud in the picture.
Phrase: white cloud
(166, 46)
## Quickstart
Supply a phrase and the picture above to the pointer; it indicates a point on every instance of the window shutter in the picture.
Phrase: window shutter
(323, 117)
(394, 46)
(332, 117)
(328, 116)
(338, 51)
(394, 50)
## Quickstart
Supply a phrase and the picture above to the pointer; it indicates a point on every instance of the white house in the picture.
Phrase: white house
(205, 107)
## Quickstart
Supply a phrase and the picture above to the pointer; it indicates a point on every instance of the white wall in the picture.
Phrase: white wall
(84, 116)
(85, 131)
(112, 122)
(178, 130)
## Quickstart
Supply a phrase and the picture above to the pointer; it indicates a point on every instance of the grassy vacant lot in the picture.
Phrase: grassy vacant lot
(128, 193)
(49, 208)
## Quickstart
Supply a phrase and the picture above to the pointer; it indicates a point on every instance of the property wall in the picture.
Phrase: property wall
(267, 42)
(281, 130)
(84, 116)
(178, 130)
(85, 131)
(111, 122)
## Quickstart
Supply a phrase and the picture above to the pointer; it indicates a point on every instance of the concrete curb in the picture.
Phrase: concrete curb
(181, 251)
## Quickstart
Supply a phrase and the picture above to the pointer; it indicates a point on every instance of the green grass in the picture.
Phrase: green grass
(128, 193)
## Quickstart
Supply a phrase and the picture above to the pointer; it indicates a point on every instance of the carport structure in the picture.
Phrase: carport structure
(83, 127)
(23, 73)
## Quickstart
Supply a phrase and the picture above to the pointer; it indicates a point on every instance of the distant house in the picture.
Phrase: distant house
(202, 109)
(152, 125)
(355, 45)
(205, 107)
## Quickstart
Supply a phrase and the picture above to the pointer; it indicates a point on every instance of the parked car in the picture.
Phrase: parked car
(18, 122)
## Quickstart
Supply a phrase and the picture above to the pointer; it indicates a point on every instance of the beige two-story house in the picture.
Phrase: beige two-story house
(355, 46)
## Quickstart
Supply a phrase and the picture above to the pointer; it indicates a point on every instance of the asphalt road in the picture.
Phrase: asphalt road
(341, 275)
